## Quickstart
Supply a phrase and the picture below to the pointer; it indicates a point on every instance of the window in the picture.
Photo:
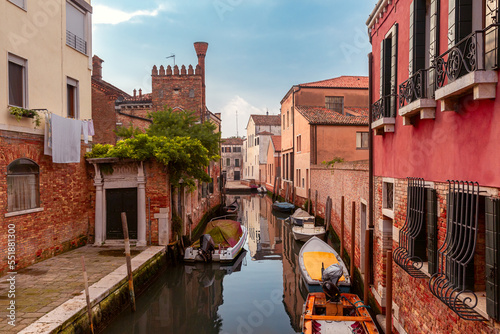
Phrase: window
(388, 72)
(335, 103)
(299, 143)
(283, 121)
(236, 162)
(288, 119)
(228, 162)
(22, 185)
(18, 82)
(388, 197)
(19, 3)
(362, 140)
(72, 99)
(76, 25)
(236, 149)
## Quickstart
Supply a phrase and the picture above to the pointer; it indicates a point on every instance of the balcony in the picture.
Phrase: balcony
(76, 42)
(468, 67)
(384, 114)
(416, 97)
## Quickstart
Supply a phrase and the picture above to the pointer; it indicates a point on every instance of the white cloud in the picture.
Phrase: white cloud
(107, 15)
(245, 109)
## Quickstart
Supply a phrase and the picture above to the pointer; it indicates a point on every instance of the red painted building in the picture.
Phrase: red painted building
(433, 79)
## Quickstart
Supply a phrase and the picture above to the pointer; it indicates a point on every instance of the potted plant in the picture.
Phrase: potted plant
(19, 113)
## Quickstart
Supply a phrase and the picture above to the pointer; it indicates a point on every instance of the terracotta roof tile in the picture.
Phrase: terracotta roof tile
(345, 81)
(322, 115)
(266, 119)
(277, 143)
(264, 133)
(356, 111)
(232, 141)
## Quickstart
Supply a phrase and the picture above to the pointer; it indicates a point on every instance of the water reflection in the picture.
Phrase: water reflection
(259, 293)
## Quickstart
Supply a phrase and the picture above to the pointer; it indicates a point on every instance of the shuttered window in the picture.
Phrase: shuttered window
(388, 72)
(492, 219)
(417, 36)
(433, 42)
(491, 55)
(459, 20)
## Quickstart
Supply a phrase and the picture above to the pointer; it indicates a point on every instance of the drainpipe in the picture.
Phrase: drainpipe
(370, 161)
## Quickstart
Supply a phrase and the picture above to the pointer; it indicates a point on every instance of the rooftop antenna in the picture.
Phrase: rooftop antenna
(171, 56)
(237, 135)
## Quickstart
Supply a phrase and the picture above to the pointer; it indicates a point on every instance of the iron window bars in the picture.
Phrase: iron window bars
(415, 88)
(455, 257)
(76, 42)
(385, 107)
(412, 251)
(476, 52)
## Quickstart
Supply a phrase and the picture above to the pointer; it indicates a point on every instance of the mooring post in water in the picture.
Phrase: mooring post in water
(388, 303)
(342, 227)
(309, 201)
(367, 267)
(87, 295)
(294, 191)
(129, 262)
(353, 237)
(316, 204)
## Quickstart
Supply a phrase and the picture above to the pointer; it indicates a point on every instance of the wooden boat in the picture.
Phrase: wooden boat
(232, 208)
(307, 231)
(228, 237)
(316, 255)
(300, 217)
(283, 206)
(348, 315)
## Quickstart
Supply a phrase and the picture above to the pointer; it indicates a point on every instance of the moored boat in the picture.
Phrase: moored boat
(346, 314)
(300, 217)
(315, 256)
(304, 227)
(283, 206)
(233, 207)
(222, 241)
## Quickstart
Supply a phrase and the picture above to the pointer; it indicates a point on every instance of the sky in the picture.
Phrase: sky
(258, 49)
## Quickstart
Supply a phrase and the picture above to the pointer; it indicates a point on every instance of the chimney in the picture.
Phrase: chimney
(135, 93)
(201, 52)
(140, 93)
(97, 67)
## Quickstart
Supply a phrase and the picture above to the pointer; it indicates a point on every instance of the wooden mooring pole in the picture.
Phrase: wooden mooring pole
(353, 238)
(342, 228)
(367, 267)
(309, 201)
(129, 261)
(388, 299)
(316, 204)
(87, 295)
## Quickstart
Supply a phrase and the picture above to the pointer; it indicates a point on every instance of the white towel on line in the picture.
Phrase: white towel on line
(66, 134)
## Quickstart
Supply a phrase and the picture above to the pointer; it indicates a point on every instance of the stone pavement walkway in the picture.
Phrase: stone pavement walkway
(46, 285)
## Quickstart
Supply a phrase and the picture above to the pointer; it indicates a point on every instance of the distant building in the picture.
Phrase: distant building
(232, 158)
(46, 68)
(273, 165)
(321, 121)
(260, 128)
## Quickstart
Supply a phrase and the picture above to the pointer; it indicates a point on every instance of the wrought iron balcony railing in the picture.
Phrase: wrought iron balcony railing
(476, 52)
(76, 42)
(384, 107)
(416, 87)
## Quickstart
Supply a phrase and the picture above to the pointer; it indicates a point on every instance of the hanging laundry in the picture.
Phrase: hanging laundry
(85, 131)
(47, 142)
(66, 134)
(91, 128)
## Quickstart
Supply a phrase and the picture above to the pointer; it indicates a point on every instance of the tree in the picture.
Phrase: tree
(174, 139)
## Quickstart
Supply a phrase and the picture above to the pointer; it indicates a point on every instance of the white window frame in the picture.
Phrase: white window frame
(75, 84)
(385, 210)
(11, 58)
(359, 140)
(87, 29)
(23, 4)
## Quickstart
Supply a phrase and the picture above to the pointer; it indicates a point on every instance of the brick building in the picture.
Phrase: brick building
(232, 158)
(321, 121)
(44, 200)
(434, 74)
(260, 129)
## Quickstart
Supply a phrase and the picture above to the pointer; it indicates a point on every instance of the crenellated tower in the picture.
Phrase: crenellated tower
(181, 88)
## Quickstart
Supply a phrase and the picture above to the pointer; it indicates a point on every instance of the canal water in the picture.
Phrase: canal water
(259, 293)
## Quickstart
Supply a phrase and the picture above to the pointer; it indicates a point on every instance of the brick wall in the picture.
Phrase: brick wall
(348, 179)
(104, 116)
(65, 191)
(418, 310)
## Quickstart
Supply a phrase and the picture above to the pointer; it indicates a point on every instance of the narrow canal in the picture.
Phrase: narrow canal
(259, 293)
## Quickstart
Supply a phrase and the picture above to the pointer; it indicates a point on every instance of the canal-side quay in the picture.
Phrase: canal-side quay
(49, 296)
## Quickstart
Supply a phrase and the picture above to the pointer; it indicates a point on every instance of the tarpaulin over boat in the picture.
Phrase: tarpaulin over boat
(225, 233)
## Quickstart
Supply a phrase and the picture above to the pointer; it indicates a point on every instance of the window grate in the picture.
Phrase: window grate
(455, 257)
(388, 195)
(411, 251)
(76, 42)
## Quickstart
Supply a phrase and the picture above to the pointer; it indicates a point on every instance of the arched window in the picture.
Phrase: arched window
(23, 185)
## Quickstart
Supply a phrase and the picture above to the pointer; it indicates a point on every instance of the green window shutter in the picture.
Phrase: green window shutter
(492, 257)
(491, 56)
(431, 218)
(417, 36)
(394, 71)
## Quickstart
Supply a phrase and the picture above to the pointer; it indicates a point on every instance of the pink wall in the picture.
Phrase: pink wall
(456, 145)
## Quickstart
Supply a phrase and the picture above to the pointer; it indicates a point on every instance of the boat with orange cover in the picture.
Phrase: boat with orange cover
(345, 314)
